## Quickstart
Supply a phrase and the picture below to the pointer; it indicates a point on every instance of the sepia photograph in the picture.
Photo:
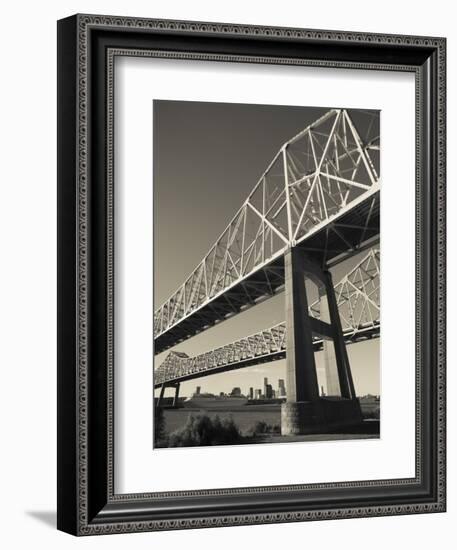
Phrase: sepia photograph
(249, 329)
(266, 280)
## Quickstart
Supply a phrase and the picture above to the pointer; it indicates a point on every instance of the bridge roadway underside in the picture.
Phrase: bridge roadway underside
(345, 235)
(364, 335)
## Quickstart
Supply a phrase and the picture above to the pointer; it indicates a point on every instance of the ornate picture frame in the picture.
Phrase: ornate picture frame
(87, 501)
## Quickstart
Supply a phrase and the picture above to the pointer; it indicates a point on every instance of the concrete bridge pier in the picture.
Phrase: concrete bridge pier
(176, 397)
(305, 411)
(160, 399)
(301, 379)
(176, 386)
(332, 315)
(328, 350)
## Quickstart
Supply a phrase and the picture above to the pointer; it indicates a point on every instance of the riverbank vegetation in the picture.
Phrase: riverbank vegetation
(204, 430)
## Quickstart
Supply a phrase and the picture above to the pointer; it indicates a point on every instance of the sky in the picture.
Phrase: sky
(207, 158)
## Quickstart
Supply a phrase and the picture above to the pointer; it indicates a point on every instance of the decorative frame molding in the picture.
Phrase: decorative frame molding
(88, 45)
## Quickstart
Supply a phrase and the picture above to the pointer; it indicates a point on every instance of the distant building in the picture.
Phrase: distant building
(251, 393)
(265, 384)
(236, 392)
(197, 390)
(281, 388)
(258, 394)
(268, 391)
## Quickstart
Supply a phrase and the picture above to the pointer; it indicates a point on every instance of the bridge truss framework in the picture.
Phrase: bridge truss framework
(320, 192)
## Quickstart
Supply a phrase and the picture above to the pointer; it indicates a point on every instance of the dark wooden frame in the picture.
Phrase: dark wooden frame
(87, 45)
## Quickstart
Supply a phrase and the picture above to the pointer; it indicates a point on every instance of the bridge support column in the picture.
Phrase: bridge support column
(176, 386)
(300, 364)
(299, 412)
(305, 411)
(176, 397)
(162, 392)
(328, 348)
(346, 384)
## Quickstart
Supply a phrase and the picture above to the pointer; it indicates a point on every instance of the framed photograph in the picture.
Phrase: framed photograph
(251, 274)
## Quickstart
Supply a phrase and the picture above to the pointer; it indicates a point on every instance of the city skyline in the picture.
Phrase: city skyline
(280, 391)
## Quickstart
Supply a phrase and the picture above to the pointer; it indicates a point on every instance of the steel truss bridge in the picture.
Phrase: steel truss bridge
(358, 298)
(316, 205)
(320, 193)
